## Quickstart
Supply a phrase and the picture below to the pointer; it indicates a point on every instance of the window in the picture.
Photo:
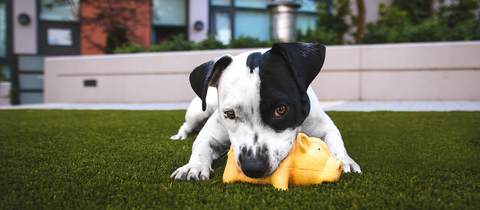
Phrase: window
(244, 27)
(307, 15)
(6, 60)
(231, 19)
(169, 18)
(59, 10)
(3, 29)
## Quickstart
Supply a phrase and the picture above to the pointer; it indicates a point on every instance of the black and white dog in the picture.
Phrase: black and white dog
(257, 102)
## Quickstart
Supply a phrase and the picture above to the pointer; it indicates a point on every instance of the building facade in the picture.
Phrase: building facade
(33, 29)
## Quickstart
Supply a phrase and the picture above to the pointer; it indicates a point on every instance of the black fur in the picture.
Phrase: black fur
(253, 60)
(206, 75)
(278, 66)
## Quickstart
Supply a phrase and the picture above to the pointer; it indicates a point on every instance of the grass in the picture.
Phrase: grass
(57, 159)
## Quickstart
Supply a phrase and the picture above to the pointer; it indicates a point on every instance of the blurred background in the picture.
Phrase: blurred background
(31, 30)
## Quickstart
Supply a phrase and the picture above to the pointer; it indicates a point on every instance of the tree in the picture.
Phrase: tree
(457, 11)
(360, 21)
(334, 22)
(117, 19)
(418, 11)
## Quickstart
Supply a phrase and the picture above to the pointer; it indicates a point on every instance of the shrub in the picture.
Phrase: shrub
(317, 36)
(455, 22)
(248, 42)
(178, 43)
(210, 44)
(130, 48)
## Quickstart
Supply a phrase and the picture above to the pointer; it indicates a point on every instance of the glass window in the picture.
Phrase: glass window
(260, 4)
(221, 2)
(169, 12)
(59, 10)
(31, 98)
(259, 29)
(305, 21)
(308, 6)
(30, 63)
(223, 28)
(31, 81)
(3, 29)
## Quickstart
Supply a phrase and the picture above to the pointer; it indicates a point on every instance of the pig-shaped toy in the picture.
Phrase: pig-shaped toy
(309, 162)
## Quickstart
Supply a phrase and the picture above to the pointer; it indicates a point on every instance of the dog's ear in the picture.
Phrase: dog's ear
(305, 59)
(206, 75)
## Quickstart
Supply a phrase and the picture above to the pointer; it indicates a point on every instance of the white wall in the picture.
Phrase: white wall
(423, 71)
(24, 37)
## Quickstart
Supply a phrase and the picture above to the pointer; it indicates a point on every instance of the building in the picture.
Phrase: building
(33, 29)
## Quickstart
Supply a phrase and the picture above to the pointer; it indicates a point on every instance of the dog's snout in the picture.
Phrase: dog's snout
(254, 165)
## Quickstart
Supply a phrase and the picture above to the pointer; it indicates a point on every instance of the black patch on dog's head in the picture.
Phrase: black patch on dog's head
(286, 71)
(253, 60)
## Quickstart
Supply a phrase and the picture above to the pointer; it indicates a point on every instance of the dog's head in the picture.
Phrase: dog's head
(262, 100)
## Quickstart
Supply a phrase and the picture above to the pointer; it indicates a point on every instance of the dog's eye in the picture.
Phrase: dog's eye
(280, 111)
(230, 114)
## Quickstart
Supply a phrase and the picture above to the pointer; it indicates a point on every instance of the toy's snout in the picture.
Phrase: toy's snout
(338, 165)
(334, 169)
(254, 165)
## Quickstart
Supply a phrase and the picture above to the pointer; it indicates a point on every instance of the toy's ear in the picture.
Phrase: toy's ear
(206, 75)
(303, 143)
(305, 59)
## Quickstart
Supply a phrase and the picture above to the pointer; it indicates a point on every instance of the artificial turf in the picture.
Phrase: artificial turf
(58, 159)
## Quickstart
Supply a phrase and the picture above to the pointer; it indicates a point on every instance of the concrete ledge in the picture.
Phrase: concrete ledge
(420, 71)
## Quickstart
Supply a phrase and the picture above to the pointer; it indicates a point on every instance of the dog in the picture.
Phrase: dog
(257, 102)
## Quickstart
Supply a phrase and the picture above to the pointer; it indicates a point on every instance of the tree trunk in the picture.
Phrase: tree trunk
(360, 21)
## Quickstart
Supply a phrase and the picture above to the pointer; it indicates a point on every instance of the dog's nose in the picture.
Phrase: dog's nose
(253, 166)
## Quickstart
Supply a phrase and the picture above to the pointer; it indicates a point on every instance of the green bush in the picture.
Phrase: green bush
(130, 48)
(317, 36)
(248, 42)
(210, 44)
(178, 43)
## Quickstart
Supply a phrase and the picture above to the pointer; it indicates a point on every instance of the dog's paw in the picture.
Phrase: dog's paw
(349, 165)
(178, 137)
(192, 172)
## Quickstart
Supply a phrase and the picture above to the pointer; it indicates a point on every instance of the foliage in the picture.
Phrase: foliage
(454, 22)
(418, 11)
(210, 44)
(130, 48)
(87, 159)
(458, 12)
(247, 42)
(179, 43)
(317, 36)
(333, 22)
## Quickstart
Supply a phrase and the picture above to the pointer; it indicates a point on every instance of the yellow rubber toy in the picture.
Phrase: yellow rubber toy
(309, 162)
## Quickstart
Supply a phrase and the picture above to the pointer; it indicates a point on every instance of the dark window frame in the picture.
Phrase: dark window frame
(155, 27)
(10, 59)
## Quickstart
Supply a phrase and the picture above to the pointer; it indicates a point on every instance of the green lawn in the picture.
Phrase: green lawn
(57, 159)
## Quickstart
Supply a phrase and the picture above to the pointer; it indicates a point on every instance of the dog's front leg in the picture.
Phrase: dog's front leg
(334, 141)
(211, 142)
